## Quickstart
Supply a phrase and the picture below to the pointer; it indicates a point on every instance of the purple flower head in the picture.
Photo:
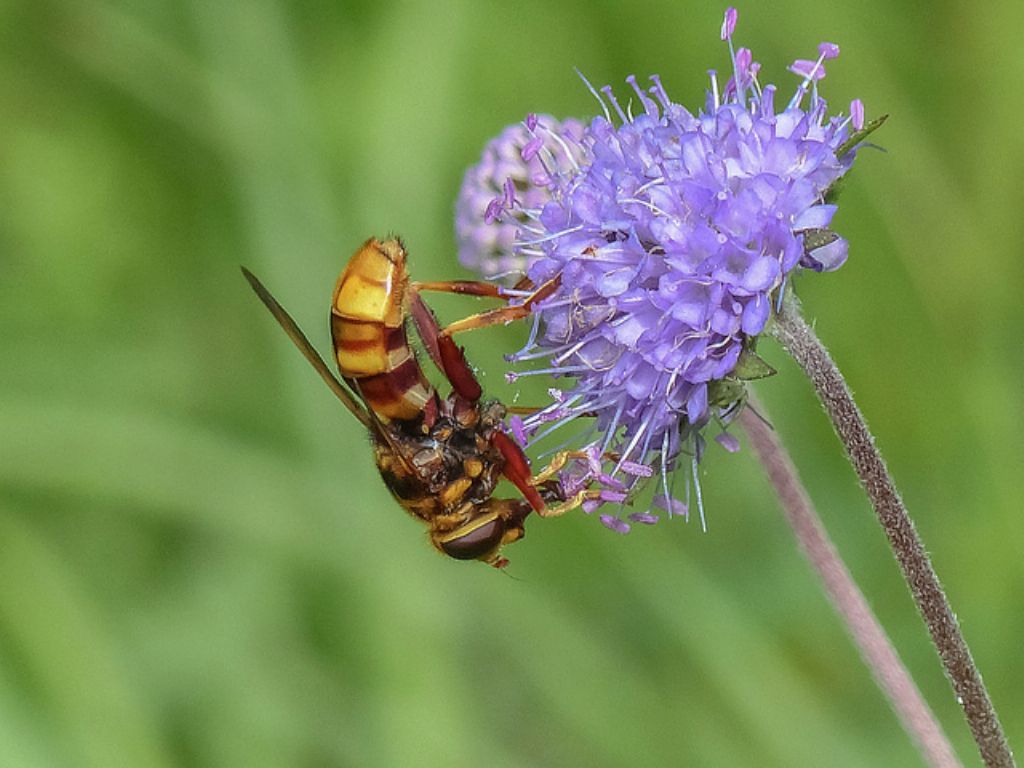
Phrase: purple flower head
(668, 248)
(515, 173)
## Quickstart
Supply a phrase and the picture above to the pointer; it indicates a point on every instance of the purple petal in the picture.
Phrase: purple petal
(818, 216)
(761, 274)
(642, 382)
(829, 257)
(755, 315)
(697, 404)
(669, 232)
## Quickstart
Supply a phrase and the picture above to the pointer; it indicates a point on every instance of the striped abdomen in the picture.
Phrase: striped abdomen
(368, 327)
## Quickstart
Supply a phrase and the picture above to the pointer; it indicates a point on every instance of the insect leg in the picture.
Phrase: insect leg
(559, 460)
(569, 504)
(517, 469)
(466, 287)
(504, 314)
(446, 355)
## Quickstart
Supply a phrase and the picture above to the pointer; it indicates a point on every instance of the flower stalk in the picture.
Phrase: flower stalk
(801, 343)
(871, 639)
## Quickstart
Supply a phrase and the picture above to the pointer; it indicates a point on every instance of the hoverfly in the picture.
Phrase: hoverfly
(441, 457)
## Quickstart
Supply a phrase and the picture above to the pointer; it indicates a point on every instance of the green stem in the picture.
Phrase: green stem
(799, 340)
(867, 632)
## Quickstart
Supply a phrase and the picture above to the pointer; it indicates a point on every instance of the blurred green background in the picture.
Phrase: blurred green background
(198, 563)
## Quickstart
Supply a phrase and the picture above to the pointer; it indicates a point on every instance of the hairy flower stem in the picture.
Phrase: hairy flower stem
(875, 647)
(792, 331)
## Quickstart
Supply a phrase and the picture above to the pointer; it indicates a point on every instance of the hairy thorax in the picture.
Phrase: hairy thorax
(437, 466)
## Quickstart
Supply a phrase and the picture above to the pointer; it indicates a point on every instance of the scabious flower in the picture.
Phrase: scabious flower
(669, 237)
(518, 163)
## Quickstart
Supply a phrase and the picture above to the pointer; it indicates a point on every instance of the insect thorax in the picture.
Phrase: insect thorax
(434, 469)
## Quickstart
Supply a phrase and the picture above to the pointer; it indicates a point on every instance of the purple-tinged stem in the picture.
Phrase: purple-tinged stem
(874, 645)
(792, 331)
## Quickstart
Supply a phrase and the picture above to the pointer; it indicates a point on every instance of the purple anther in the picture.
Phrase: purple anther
(616, 524)
(828, 50)
(531, 148)
(730, 442)
(638, 470)
(645, 518)
(857, 114)
(729, 22)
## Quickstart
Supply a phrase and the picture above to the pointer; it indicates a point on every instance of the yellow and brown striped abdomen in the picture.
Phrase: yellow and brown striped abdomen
(368, 328)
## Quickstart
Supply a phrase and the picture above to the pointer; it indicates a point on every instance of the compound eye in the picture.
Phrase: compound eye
(474, 539)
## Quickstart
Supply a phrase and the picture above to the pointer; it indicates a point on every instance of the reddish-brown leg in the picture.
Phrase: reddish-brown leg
(522, 410)
(480, 288)
(442, 350)
(438, 342)
(426, 326)
(465, 287)
(503, 314)
(517, 469)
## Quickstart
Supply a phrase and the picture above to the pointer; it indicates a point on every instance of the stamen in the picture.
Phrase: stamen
(857, 114)
(610, 95)
(664, 471)
(597, 96)
(613, 428)
(659, 91)
(729, 22)
(531, 148)
(549, 238)
(714, 89)
(700, 496)
(632, 444)
(513, 376)
(565, 149)
(649, 106)
(653, 208)
(828, 50)
(811, 71)
(652, 183)
(639, 470)
(615, 524)
(768, 102)
(494, 210)
(728, 441)
(737, 83)
(644, 517)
